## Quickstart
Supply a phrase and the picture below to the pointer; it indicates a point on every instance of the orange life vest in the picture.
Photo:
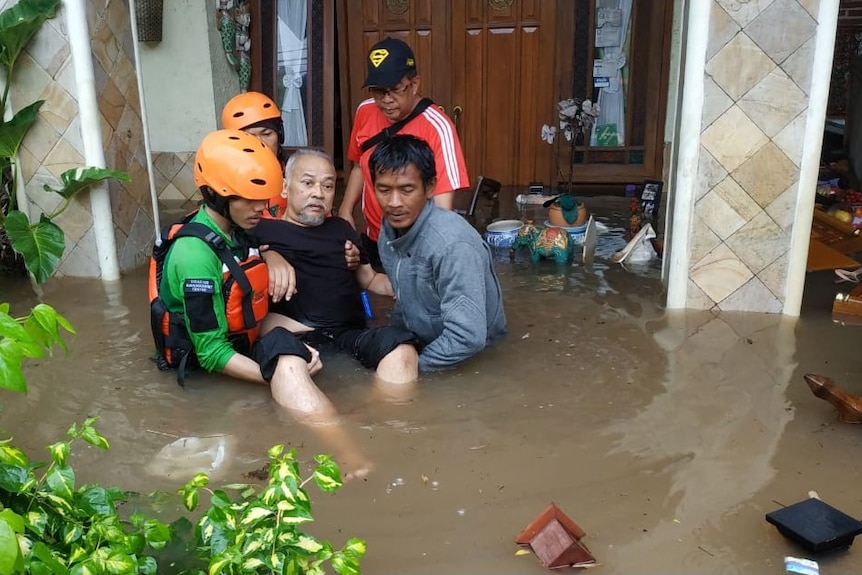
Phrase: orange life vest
(245, 287)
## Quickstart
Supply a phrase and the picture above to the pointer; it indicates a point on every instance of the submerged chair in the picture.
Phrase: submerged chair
(484, 184)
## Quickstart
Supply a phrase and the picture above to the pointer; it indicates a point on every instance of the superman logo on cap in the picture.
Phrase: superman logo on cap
(378, 56)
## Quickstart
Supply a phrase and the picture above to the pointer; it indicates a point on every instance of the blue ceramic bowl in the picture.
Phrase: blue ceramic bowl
(502, 233)
(575, 232)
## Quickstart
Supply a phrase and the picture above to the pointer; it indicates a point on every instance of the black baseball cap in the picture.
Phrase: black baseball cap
(389, 61)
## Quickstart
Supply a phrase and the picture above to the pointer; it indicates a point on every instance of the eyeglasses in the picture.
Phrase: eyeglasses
(380, 93)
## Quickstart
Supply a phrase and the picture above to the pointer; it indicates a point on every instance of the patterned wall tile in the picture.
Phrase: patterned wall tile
(799, 65)
(733, 138)
(739, 66)
(709, 173)
(40, 140)
(49, 49)
(782, 28)
(111, 103)
(766, 174)
(726, 208)
(703, 241)
(697, 299)
(76, 220)
(774, 276)
(721, 29)
(772, 114)
(812, 6)
(63, 157)
(720, 273)
(59, 109)
(759, 242)
(744, 11)
(783, 209)
(791, 138)
(752, 297)
(715, 102)
(81, 257)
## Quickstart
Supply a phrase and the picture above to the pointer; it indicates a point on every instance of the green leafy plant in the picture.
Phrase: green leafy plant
(31, 336)
(41, 243)
(48, 526)
(257, 532)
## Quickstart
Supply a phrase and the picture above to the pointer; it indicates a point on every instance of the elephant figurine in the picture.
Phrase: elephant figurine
(525, 238)
(552, 242)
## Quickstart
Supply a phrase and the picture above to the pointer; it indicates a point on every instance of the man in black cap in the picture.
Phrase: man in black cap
(395, 105)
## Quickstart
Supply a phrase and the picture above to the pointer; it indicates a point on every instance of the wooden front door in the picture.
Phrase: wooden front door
(499, 67)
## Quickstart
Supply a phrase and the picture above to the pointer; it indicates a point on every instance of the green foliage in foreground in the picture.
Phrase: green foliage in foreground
(51, 526)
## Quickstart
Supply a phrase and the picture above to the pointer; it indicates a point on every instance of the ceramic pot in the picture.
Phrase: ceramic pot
(555, 216)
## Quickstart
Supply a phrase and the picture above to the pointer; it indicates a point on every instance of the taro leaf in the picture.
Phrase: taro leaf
(11, 376)
(11, 560)
(77, 180)
(61, 481)
(96, 501)
(41, 244)
(12, 478)
(19, 23)
(12, 132)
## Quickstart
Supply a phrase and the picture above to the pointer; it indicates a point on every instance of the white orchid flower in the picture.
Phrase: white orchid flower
(549, 133)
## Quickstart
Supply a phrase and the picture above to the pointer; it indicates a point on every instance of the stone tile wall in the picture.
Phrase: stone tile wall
(45, 71)
(758, 74)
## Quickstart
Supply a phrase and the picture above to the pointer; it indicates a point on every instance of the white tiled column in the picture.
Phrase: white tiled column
(757, 139)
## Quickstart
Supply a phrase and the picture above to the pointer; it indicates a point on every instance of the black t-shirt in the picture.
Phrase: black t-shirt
(327, 292)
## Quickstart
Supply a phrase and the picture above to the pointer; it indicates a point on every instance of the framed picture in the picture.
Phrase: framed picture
(651, 200)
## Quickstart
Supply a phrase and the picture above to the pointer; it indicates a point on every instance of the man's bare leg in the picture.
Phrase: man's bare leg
(401, 365)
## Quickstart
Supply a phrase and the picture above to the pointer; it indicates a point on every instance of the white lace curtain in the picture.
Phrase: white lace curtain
(293, 67)
(612, 99)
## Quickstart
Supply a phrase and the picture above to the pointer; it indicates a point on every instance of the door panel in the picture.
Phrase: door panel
(500, 82)
(506, 64)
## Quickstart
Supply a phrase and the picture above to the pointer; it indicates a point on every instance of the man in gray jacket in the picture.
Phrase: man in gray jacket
(441, 270)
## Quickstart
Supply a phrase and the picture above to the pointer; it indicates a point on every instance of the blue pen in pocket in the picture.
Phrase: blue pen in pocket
(366, 304)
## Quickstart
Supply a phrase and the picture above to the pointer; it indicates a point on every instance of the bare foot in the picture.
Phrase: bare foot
(355, 467)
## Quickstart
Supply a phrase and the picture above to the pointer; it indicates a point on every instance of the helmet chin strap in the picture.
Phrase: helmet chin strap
(219, 204)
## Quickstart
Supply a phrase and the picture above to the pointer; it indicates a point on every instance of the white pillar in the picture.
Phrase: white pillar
(91, 134)
(821, 73)
(688, 145)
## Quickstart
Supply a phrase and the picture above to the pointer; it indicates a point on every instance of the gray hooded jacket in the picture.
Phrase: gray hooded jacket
(446, 289)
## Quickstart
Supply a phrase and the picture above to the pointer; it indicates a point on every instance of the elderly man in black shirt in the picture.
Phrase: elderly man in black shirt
(327, 305)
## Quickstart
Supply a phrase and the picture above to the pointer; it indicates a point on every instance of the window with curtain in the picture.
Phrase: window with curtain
(292, 69)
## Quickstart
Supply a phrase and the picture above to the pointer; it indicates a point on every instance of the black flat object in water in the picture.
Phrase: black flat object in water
(816, 525)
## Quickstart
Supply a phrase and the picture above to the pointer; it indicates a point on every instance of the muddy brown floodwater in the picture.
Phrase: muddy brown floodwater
(666, 437)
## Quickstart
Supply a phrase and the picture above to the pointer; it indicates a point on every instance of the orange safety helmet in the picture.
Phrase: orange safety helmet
(248, 108)
(234, 163)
